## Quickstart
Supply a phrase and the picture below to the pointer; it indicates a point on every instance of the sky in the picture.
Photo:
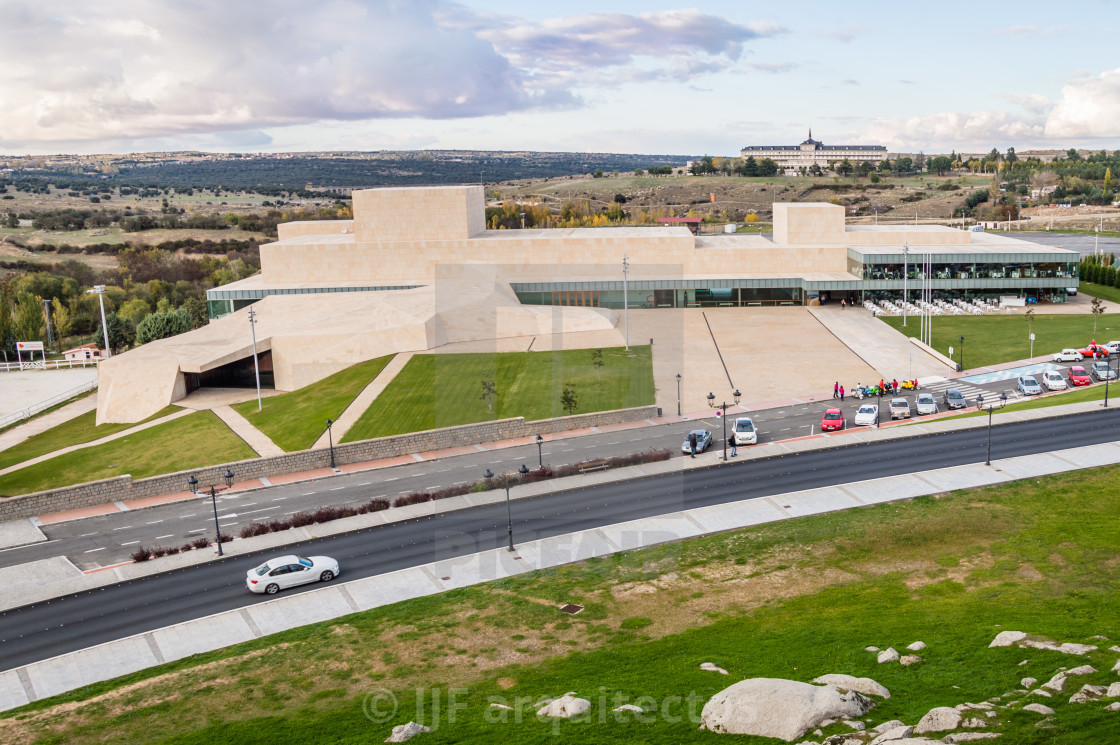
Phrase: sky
(656, 77)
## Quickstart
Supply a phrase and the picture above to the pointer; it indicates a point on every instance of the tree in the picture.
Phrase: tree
(939, 165)
(120, 333)
(767, 167)
(13, 220)
(162, 325)
(134, 310)
(1030, 323)
(864, 168)
(597, 361)
(1107, 179)
(195, 308)
(27, 321)
(1097, 307)
(60, 314)
(568, 399)
(845, 167)
(489, 392)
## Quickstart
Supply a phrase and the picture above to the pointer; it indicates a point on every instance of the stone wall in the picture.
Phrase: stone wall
(122, 488)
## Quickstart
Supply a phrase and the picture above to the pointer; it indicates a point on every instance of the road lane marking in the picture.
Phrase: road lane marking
(123, 527)
(153, 522)
(199, 530)
(130, 543)
(85, 535)
(161, 537)
(338, 488)
(94, 549)
(366, 483)
(190, 515)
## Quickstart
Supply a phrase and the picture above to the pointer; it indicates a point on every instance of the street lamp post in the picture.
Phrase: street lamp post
(192, 484)
(879, 405)
(723, 409)
(540, 453)
(489, 476)
(626, 299)
(256, 367)
(962, 353)
(679, 394)
(1107, 375)
(99, 290)
(991, 408)
(330, 441)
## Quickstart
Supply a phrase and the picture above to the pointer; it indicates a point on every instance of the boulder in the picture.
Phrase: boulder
(494, 705)
(866, 686)
(1087, 693)
(857, 726)
(772, 707)
(938, 720)
(969, 736)
(630, 707)
(710, 667)
(1039, 709)
(404, 732)
(1041, 692)
(842, 740)
(909, 659)
(1114, 648)
(1113, 707)
(1028, 682)
(887, 655)
(894, 733)
(916, 646)
(1113, 691)
(885, 726)
(1082, 670)
(1066, 647)
(876, 649)
(565, 707)
(974, 723)
(1116, 667)
(1007, 638)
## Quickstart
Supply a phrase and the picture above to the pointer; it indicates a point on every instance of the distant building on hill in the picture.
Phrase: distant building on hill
(798, 159)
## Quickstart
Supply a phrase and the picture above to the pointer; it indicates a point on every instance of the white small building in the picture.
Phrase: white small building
(82, 353)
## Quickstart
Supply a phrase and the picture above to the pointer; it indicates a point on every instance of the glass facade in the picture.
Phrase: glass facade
(962, 267)
(722, 293)
(221, 302)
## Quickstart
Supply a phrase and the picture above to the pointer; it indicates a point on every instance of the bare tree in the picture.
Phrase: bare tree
(568, 399)
(597, 361)
(1097, 309)
(489, 392)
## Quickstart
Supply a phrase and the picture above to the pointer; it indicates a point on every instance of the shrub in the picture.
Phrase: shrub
(225, 538)
(185, 548)
(377, 505)
(200, 543)
(159, 551)
(141, 554)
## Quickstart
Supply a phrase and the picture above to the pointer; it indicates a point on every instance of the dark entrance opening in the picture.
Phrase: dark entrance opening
(236, 374)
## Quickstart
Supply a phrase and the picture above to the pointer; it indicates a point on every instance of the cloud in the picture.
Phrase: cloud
(849, 81)
(843, 34)
(773, 68)
(1087, 108)
(119, 71)
(953, 129)
(1035, 103)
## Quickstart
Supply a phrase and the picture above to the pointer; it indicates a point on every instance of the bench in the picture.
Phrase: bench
(594, 465)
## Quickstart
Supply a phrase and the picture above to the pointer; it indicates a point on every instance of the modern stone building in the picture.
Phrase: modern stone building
(417, 270)
(795, 159)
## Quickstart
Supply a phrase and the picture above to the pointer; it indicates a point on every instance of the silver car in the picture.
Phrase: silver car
(1103, 371)
(925, 404)
(1029, 386)
(954, 399)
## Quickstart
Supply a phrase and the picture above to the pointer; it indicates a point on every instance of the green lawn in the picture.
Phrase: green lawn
(74, 432)
(1104, 292)
(989, 340)
(794, 600)
(295, 420)
(198, 439)
(445, 390)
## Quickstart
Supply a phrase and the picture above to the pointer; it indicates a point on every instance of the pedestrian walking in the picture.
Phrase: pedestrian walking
(836, 389)
(894, 386)
(841, 394)
(734, 445)
(842, 304)
(692, 443)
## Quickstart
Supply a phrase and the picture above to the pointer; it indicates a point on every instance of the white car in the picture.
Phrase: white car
(1069, 355)
(744, 432)
(1029, 386)
(1054, 381)
(867, 415)
(288, 571)
(925, 404)
(1113, 346)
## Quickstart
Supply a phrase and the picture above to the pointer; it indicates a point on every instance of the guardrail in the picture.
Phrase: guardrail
(45, 365)
(34, 409)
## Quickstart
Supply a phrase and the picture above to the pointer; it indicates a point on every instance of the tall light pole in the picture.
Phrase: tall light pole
(489, 476)
(626, 298)
(540, 452)
(330, 441)
(679, 394)
(723, 408)
(905, 272)
(962, 354)
(256, 367)
(99, 290)
(192, 484)
(991, 407)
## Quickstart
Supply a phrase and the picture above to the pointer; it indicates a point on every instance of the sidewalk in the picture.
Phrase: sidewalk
(252, 436)
(67, 672)
(362, 401)
(39, 424)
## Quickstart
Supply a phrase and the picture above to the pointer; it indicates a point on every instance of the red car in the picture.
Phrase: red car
(1078, 376)
(1094, 351)
(833, 420)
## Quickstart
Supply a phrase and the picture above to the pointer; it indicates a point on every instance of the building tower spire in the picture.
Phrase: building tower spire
(810, 133)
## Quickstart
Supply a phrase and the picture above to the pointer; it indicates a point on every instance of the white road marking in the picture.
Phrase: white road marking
(190, 515)
(130, 543)
(263, 509)
(85, 535)
(123, 527)
(161, 537)
(198, 530)
(153, 522)
(338, 488)
(94, 549)
(366, 483)
(307, 494)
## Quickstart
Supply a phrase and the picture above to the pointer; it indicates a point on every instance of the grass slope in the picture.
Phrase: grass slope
(989, 340)
(74, 432)
(1104, 292)
(198, 439)
(793, 600)
(295, 420)
(445, 390)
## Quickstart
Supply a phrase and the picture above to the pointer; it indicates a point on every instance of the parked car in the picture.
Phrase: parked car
(703, 441)
(1029, 386)
(900, 408)
(1113, 346)
(954, 399)
(288, 571)
(1054, 381)
(925, 404)
(1069, 355)
(1071, 291)
(1094, 350)
(1103, 371)
(867, 415)
(744, 431)
(1079, 376)
(832, 421)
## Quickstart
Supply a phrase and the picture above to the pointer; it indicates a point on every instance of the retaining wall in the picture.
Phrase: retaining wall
(123, 487)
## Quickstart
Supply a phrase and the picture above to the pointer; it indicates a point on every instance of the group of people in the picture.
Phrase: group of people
(838, 390)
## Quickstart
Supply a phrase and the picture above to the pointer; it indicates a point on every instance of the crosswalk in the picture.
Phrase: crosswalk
(970, 392)
(1001, 375)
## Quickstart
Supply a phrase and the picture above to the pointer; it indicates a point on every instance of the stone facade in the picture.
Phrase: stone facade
(122, 488)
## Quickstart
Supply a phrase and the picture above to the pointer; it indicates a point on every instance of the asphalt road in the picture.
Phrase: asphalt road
(110, 539)
(50, 628)
(1083, 244)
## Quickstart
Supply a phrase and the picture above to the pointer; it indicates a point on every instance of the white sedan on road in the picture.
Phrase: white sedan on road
(288, 571)
(867, 415)
(1069, 355)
